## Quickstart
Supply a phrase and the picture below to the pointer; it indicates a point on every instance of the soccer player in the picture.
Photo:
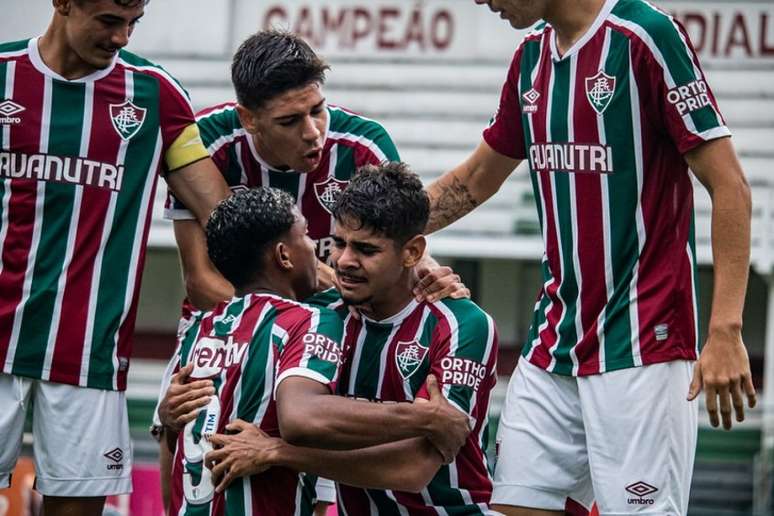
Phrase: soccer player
(607, 102)
(87, 129)
(391, 351)
(251, 346)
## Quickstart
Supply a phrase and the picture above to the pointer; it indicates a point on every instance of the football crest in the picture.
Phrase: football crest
(328, 192)
(599, 90)
(408, 357)
(127, 119)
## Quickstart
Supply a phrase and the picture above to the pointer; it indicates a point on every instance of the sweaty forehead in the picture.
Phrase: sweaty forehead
(295, 101)
(128, 9)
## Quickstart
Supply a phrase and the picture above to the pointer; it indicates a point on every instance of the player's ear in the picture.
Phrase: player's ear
(247, 118)
(414, 250)
(282, 256)
(62, 7)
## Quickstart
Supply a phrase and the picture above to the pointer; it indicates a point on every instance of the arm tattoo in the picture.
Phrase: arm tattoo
(450, 202)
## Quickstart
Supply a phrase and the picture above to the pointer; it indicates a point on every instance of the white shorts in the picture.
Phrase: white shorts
(80, 437)
(625, 439)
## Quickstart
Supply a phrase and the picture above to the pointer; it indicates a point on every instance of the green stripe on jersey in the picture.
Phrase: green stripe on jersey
(539, 315)
(285, 181)
(118, 255)
(345, 122)
(235, 496)
(622, 201)
(368, 366)
(64, 139)
(14, 46)
(253, 378)
(568, 289)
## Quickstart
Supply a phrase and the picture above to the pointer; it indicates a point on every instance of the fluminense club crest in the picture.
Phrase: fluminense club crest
(127, 118)
(328, 192)
(408, 357)
(599, 90)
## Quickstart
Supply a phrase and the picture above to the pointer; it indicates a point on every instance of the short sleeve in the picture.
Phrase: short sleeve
(463, 356)
(181, 141)
(312, 348)
(505, 134)
(683, 105)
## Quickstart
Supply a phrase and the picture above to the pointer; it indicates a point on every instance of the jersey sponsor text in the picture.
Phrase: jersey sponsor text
(571, 157)
(61, 169)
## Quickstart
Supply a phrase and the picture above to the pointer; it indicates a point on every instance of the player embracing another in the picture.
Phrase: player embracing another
(396, 350)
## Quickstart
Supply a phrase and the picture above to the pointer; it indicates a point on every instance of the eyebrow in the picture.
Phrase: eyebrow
(296, 115)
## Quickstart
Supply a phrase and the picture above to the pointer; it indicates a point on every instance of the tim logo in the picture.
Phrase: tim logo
(127, 119)
(641, 490)
(328, 192)
(8, 108)
(530, 97)
(116, 455)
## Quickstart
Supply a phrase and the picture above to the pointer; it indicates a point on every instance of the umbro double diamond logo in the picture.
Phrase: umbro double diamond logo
(641, 490)
(116, 455)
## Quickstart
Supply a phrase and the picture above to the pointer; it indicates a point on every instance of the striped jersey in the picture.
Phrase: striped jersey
(604, 128)
(388, 361)
(351, 141)
(248, 345)
(79, 161)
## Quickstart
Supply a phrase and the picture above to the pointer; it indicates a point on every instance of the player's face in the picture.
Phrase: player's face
(95, 30)
(290, 129)
(303, 256)
(519, 13)
(368, 266)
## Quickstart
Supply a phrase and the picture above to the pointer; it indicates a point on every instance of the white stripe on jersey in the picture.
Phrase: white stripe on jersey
(222, 109)
(383, 357)
(571, 179)
(225, 139)
(417, 336)
(268, 372)
(88, 109)
(401, 508)
(247, 495)
(40, 198)
(604, 182)
(10, 76)
(241, 163)
(334, 157)
(13, 53)
(356, 360)
(693, 298)
(314, 322)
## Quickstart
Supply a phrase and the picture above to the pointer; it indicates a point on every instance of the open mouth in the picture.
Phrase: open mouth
(349, 280)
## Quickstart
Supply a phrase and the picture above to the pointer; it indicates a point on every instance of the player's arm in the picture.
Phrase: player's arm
(309, 415)
(723, 369)
(204, 285)
(199, 186)
(459, 191)
(407, 465)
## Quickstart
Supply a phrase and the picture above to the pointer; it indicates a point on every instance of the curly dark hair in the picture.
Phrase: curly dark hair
(122, 3)
(241, 228)
(388, 199)
(271, 63)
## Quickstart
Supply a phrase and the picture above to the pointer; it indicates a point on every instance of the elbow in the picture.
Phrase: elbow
(418, 479)
(299, 428)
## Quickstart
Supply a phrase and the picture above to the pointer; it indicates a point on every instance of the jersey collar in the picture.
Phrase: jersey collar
(37, 62)
(397, 318)
(598, 21)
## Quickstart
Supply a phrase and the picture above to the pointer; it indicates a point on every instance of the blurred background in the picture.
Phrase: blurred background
(431, 71)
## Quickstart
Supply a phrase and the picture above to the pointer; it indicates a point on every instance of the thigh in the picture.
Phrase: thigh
(641, 435)
(14, 399)
(541, 443)
(82, 445)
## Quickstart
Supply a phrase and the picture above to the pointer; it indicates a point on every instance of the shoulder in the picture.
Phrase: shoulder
(345, 122)
(464, 316)
(141, 65)
(647, 21)
(218, 121)
(13, 49)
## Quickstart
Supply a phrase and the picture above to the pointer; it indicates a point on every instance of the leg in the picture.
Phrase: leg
(641, 435)
(82, 446)
(14, 398)
(66, 506)
(541, 459)
(166, 456)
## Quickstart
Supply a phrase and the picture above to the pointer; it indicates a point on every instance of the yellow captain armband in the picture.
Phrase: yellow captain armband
(186, 149)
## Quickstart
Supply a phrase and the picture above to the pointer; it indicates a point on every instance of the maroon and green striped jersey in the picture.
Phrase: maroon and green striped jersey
(389, 360)
(247, 346)
(351, 141)
(604, 128)
(79, 160)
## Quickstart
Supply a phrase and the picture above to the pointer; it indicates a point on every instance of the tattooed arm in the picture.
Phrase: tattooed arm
(459, 191)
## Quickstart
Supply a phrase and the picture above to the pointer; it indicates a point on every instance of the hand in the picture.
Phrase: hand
(183, 400)
(723, 370)
(448, 427)
(326, 278)
(248, 451)
(435, 282)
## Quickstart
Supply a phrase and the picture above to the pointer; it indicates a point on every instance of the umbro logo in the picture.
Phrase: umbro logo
(641, 490)
(530, 97)
(117, 456)
(8, 108)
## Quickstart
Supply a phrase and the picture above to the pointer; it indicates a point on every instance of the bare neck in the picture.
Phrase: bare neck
(571, 19)
(386, 304)
(59, 57)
